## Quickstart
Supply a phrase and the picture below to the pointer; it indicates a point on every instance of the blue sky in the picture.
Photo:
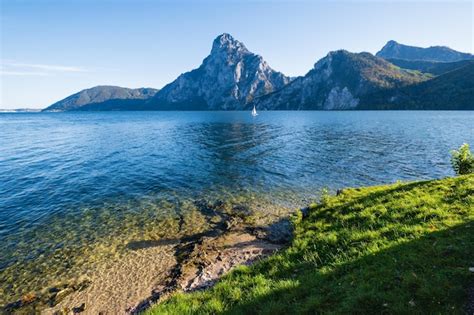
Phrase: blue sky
(51, 49)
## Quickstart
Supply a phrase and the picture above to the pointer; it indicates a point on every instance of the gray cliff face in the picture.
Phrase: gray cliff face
(394, 50)
(104, 98)
(230, 77)
(337, 81)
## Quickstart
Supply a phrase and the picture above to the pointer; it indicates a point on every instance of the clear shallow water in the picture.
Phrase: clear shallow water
(76, 187)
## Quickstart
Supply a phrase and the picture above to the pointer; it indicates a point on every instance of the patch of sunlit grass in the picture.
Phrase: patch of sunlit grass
(402, 248)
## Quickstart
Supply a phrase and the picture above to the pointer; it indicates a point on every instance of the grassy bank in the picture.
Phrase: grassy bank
(402, 248)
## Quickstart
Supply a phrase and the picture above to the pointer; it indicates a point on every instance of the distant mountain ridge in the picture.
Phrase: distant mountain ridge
(104, 97)
(337, 81)
(432, 67)
(453, 90)
(230, 77)
(394, 50)
(233, 78)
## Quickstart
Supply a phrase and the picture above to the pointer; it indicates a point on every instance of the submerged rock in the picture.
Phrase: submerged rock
(34, 302)
(62, 294)
(205, 207)
(81, 308)
(279, 232)
(241, 210)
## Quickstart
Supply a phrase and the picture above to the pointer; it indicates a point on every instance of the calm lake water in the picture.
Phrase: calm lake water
(70, 181)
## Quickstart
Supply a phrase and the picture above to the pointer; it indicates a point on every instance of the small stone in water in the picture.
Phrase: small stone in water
(53, 290)
(62, 294)
(79, 309)
(241, 210)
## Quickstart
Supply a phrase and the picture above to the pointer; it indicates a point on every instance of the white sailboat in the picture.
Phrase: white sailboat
(254, 111)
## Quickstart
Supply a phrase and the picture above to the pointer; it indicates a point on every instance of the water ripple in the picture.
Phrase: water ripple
(70, 180)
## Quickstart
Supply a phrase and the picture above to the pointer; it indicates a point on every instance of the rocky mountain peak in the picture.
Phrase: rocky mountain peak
(340, 58)
(227, 44)
(341, 53)
(391, 47)
(229, 78)
(391, 43)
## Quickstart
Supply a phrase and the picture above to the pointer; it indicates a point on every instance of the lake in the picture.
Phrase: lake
(75, 188)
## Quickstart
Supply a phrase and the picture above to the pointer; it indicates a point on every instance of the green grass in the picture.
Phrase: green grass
(402, 248)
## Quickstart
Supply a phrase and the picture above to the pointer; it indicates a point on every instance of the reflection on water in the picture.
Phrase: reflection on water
(76, 188)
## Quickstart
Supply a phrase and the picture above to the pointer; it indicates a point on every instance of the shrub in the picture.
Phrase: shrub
(462, 160)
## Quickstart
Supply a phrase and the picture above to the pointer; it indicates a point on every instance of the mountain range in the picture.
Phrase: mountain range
(105, 97)
(430, 67)
(233, 78)
(435, 53)
(337, 81)
(455, 88)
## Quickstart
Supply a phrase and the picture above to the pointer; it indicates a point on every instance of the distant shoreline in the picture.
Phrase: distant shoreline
(21, 110)
(10, 111)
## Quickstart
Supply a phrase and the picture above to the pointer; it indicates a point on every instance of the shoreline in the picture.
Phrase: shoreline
(204, 261)
(153, 269)
(358, 232)
(398, 248)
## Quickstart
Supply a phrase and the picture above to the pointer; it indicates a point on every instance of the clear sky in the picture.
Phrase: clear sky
(51, 49)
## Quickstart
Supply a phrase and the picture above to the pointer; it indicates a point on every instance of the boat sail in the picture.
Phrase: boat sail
(254, 111)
